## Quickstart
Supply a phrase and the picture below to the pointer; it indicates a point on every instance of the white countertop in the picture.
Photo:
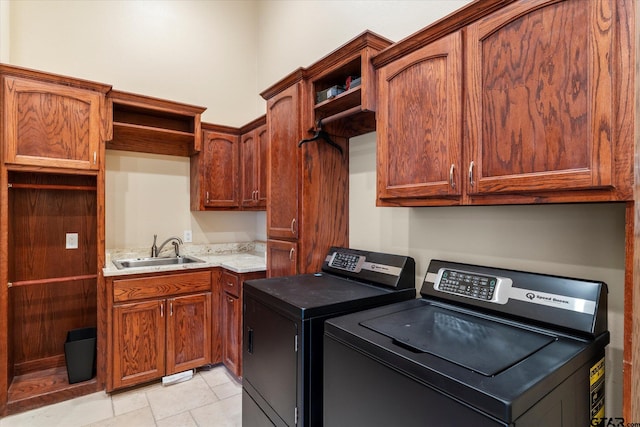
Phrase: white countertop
(237, 257)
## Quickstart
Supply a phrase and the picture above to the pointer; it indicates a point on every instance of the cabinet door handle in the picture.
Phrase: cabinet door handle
(161, 309)
(171, 308)
(95, 157)
(452, 183)
(293, 225)
(207, 197)
(291, 252)
(250, 341)
(230, 284)
(471, 181)
(230, 300)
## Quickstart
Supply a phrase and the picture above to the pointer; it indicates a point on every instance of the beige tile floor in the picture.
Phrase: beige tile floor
(211, 398)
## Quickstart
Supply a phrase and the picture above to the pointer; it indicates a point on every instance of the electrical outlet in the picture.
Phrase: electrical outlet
(187, 237)
(72, 241)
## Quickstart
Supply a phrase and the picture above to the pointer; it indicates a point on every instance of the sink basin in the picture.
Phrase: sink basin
(152, 262)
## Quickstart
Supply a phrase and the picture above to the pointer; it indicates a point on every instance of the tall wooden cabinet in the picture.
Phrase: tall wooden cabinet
(51, 190)
(284, 162)
(308, 161)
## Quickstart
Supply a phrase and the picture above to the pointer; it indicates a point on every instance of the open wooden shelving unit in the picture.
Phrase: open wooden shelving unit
(151, 125)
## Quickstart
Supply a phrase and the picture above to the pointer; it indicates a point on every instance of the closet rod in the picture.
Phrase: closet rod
(342, 114)
(52, 280)
(54, 187)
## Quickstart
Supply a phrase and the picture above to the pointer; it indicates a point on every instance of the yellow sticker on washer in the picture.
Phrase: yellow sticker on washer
(596, 383)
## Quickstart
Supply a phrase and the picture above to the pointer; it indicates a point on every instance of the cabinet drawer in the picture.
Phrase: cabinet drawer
(161, 286)
(231, 284)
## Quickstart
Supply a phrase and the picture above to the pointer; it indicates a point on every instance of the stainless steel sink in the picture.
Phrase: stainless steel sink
(151, 262)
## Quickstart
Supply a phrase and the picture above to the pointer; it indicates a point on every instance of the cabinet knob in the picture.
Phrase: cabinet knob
(471, 181)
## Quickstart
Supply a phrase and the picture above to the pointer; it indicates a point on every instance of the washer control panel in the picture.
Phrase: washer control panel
(347, 261)
(472, 285)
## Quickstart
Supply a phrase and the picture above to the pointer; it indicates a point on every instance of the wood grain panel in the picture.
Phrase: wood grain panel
(282, 258)
(138, 288)
(42, 314)
(540, 98)
(51, 125)
(420, 122)
(139, 342)
(221, 172)
(188, 332)
(230, 283)
(283, 124)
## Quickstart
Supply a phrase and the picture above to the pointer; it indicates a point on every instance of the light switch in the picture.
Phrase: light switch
(72, 240)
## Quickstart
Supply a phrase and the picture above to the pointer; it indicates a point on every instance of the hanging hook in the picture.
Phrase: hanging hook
(321, 134)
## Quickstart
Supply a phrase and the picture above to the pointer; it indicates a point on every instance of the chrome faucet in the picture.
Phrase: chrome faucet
(175, 241)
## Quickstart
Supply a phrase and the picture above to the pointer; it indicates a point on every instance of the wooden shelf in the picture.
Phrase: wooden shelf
(152, 125)
(342, 102)
(351, 112)
(45, 387)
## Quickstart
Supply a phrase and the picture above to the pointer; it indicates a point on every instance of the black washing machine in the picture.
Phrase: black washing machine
(482, 347)
(283, 325)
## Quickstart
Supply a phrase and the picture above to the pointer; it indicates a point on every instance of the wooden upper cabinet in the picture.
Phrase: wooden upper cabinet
(47, 124)
(283, 125)
(221, 180)
(253, 165)
(419, 123)
(540, 98)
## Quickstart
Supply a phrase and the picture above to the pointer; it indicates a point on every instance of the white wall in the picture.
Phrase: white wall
(221, 54)
(196, 52)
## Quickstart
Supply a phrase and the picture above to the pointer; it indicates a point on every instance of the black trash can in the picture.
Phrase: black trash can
(80, 354)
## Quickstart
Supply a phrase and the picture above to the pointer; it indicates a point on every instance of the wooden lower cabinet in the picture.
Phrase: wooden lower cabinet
(160, 326)
(139, 340)
(231, 310)
(160, 337)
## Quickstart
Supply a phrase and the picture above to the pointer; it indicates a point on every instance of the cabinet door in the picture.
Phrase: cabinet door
(232, 324)
(138, 343)
(51, 125)
(188, 332)
(540, 97)
(420, 122)
(283, 125)
(281, 258)
(262, 142)
(248, 155)
(221, 176)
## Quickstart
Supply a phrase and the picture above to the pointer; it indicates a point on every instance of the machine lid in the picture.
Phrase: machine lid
(476, 343)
